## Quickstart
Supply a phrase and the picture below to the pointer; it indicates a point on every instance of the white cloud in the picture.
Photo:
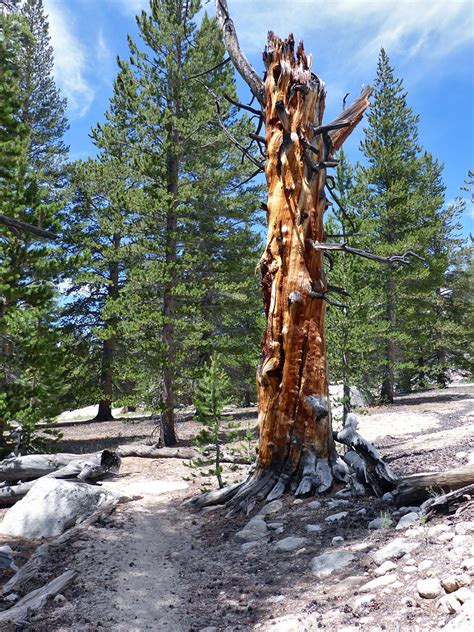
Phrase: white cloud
(431, 29)
(103, 53)
(130, 7)
(70, 59)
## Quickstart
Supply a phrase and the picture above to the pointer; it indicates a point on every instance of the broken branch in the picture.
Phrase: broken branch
(404, 258)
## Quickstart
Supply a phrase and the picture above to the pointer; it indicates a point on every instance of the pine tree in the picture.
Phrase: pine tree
(196, 244)
(31, 370)
(400, 193)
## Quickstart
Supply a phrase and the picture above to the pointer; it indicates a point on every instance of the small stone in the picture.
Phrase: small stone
(380, 523)
(332, 504)
(428, 588)
(425, 565)
(361, 512)
(275, 598)
(462, 540)
(463, 528)
(461, 456)
(388, 498)
(394, 550)
(337, 539)
(445, 536)
(337, 516)
(210, 628)
(289, 544)
(325, 564)
(274, 525)
(289, 623)
(298, 501)
(12, 596)
(348, 585)
(463, 594)
(379, 582)
(270, 508)
(253, 530)
(409, 569)
(59, 599)
(408, 520)
(385, 568)
(363, 601)
(468, 564)
(313, 528)
(248, 546)
(453, 582)
(438, 528)
(449, 604)
(314, 504)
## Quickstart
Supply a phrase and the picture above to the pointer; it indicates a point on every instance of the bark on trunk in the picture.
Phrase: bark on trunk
(296, 442)
(387, 391)
(104, 412)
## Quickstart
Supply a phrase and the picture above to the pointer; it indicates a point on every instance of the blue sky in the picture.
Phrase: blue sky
(430, 43)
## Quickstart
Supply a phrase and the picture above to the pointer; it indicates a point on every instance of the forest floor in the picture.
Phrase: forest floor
(157, 565)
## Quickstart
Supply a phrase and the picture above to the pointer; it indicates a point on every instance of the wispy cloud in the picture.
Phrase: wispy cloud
(130, 7)
(425, 28)
(70, 59)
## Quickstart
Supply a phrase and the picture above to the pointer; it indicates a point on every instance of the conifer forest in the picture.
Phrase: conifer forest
(247, 294)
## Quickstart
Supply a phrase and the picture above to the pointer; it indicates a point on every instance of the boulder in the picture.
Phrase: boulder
(253, 530)
(429, 588)
(53, 505)
(325, 564)
(394, 550)
(289, 544)
(408, 520)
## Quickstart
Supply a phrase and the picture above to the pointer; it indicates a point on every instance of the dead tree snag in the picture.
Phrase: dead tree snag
(297, 449)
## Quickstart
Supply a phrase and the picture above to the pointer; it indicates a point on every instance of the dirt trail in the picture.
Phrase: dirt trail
(154, 565)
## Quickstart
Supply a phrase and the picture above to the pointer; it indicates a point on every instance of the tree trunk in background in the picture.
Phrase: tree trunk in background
(108, 346)
(296, 440)
(387, 390)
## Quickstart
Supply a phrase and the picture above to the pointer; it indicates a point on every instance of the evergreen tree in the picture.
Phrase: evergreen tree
(31, 370)
(192, 290)
(400, 193)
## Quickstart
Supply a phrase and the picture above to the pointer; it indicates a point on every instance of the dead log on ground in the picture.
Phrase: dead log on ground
(448, 503)
(33, 466)
(418, 487)
(36, 599)
(94, 468)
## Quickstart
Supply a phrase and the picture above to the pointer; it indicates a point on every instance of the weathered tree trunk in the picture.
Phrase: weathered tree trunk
(419, 487)
(104, 412)
(387, 391)
(296, 441)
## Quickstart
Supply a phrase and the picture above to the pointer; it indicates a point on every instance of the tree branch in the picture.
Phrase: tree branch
(242, 105)
(404, 258)
(342, 126)
(14, 224)
(244, 68)
(205, 72)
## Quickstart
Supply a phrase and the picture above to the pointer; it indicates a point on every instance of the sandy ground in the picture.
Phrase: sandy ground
(156, 565)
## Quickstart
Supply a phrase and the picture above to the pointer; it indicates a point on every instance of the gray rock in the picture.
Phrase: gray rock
(337, 539)
(313, 528)
(425, 565)
(468, 564)
(210, 628)
(464, 622)
(59, 599)
(289, 623)
(52, 506)
(253, 530)
(379, 582)
(388, 497)
(394, 550)
(429, 588)
(314, 504)
(385, 568)
(275, 598)
(325, 564)
(332, 504)
(270, 508)
(361, 512)
(274, 525)
(298, 501)
(438, 528)
(337, 516)
(380, 523)
(289, 544)
(449, 604)
(463, 528)
(445, 536)
(408, 520)
(249, 546)
(463, 594)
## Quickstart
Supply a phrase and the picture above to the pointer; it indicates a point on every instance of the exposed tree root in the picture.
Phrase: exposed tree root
(361, 469)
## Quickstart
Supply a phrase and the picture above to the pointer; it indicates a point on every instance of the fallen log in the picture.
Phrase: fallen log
(36, 599)
(418, 487)
(154, 452)
(94, 468)
(32, 466)
(448, 503)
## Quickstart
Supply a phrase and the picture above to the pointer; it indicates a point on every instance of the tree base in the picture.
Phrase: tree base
(361, 468)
